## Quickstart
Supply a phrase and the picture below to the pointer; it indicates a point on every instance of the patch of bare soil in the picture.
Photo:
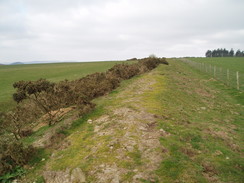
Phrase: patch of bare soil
(138, 133)
(57, 116)
(67, 176)
(210, 173)
(225, 134)
(204, 93)
(52, 137)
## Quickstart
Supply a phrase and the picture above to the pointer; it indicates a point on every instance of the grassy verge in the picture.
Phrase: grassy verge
(205, 123)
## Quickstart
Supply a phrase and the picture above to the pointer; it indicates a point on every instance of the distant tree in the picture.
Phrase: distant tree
(208, 53)
(238, 53)
(214, 53)
(222, 52)
(231, 53)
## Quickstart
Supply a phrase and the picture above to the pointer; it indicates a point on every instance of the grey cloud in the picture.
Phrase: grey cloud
(117, 29)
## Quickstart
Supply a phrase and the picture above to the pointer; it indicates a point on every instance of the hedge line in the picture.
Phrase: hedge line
(36, 98)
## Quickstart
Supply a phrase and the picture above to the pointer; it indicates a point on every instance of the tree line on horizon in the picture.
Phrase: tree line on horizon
(222, 52)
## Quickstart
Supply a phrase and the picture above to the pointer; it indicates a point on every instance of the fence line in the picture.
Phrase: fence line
(231, 78)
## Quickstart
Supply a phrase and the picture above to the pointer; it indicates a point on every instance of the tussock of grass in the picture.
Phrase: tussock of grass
(136, 156)
(36, 135)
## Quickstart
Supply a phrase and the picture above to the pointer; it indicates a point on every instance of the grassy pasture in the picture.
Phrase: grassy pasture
(232, 63)
(53, 72)
(223, 69)
(201, 112)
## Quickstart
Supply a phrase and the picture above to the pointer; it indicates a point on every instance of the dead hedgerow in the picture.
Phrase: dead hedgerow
(47, 96)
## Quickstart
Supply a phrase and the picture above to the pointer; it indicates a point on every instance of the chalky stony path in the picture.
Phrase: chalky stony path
(130, 150)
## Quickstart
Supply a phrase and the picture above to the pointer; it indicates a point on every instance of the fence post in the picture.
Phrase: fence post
(237, 80)
(214, 71)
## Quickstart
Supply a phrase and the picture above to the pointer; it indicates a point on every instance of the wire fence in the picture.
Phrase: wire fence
(229, 77)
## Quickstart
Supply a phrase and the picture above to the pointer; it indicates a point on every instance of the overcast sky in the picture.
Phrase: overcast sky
(85, 30)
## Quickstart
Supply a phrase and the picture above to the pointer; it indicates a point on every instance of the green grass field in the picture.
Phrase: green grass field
(53, 72)
(232, 63)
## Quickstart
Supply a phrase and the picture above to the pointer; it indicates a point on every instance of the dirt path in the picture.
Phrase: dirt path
(136, 132)
(124, 145)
